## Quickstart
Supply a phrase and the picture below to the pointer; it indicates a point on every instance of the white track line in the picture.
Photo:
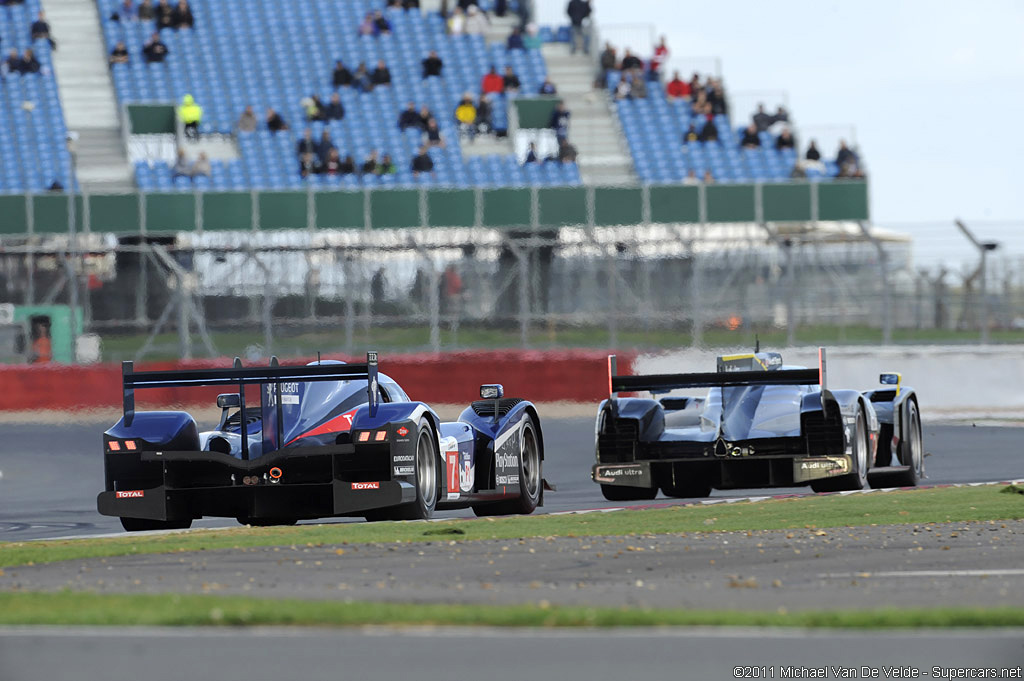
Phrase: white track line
(1012, 572)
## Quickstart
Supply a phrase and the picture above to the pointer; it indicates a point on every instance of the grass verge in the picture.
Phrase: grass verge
(89, 609)
(939, 505)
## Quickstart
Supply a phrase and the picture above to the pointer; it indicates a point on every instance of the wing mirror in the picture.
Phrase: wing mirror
(228, 400)
(492, 392)
(892, 378)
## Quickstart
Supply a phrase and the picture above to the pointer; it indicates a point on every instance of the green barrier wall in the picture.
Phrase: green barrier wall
(535, 112)
(151, 119)
(519, 208)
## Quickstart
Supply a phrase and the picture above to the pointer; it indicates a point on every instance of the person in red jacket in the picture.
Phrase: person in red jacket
(677, 87)
(492, 83)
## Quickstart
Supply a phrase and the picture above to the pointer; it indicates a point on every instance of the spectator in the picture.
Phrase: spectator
(247, 121)
(531, 154)
(659, 58)
(630, 61)
(579, 13)
(515, 40)
(348, 166)
(332, 165)
(29, 63)
(306, 145)
(409, 118)
(511, 80)
(785, 140)
(432, 135)
(484, 114)
(309, 165)
(146, 11)
(410, 4)
(335, 110)
(457, 22)
(119, 55)
(191, 114)
(566, 151)
(492, 83)
(312, 107)
(154, 51)
(751, 138)
(845, 155)
(183, 15)
(367, 27)
(476, 21)
(181, 167)
(425, 116)
(432, 65)
(361, 80)
(386, 166)
(560, 121)
(370, 164)
(781, 115)
(13, 62)
(812, 152)
(709, 133)
(609, 62)
(691, 134)
(381, 26)
(465, 116)
(695, 89)
(341, 77)
(708, 177)
(41, 30)
(422, 163)
(691, 177)
(624, 86)
(717, 99)
(638, 86)
(381, 74)
(394, 4)
(547, 87)
(532, 39)
(677, 88)
(201, 166)
(164, 15)
(275, 123)
(762, 120)
(325, 146)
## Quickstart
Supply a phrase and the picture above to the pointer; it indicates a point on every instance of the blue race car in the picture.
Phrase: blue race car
(326, 439)
(760, 424)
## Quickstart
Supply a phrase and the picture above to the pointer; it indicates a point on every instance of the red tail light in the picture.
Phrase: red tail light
(129, 445)
(364, 436)
(114, 446)
(380, 436)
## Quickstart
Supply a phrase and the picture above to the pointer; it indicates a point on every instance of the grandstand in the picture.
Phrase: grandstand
(33, 153)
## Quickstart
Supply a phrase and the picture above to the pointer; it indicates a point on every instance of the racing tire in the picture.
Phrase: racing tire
(858, 478)
(428, 480)
(145, 525)
(266, 522)
(911, 450)
(691, 489)
(531, 478)
(620, 493)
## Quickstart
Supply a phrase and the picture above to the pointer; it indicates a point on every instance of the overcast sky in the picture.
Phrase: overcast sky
(934, 90)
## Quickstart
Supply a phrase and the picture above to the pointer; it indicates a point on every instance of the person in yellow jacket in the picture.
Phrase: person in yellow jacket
(190, 114)
(465, 114)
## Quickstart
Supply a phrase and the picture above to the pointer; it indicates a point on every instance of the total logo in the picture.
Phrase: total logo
(403, 431)
(130, 494)
(365, 485)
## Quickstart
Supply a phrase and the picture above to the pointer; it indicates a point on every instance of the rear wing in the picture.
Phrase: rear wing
(666, 382)
(240, 376)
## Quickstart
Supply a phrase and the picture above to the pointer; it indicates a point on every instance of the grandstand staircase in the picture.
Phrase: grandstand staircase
(87, 96)
(594, 128)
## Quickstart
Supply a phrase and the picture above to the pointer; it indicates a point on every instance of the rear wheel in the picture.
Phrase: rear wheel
(911, 451)
(530, 478)
(620, 493)
(144, 525)
(858, 477)
(427, 480)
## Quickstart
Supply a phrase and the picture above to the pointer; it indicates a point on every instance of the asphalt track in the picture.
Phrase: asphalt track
(497, 655)
(50, 475)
